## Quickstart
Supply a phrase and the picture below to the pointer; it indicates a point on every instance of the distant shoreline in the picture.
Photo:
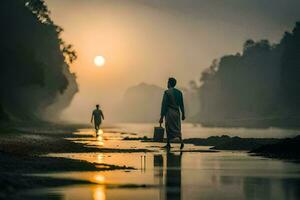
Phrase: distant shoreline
(284, 123)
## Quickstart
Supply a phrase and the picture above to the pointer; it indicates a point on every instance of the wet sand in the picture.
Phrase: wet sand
(23, 150)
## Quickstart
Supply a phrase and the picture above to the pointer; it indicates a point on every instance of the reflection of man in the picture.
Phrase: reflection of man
(97, 116)
(173, 176)
(171, 106)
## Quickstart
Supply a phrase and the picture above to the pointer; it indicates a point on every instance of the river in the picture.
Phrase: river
(188, 175)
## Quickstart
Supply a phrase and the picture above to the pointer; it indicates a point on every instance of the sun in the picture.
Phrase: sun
(99, 61)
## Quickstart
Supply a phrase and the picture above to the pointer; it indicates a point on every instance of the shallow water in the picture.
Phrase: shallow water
(174, 175)
(197, 131)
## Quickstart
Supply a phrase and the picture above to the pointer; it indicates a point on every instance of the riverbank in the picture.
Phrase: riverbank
(22, 151)
(288, 149)
(280, 148)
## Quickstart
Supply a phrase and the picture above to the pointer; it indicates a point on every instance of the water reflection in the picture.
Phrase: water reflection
(158, 163)
(98, 178)
(176, 176)
(100, 158)
(291, 188)
(266, 188)
(173, 176)
(257, 188)
(221, 176)
(171, 190)
(99, 137)
(99, 193)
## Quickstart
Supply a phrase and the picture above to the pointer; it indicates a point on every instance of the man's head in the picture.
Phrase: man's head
(172, 82)
(97, 106)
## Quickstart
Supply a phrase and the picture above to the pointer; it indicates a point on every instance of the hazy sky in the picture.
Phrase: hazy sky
(151, 40)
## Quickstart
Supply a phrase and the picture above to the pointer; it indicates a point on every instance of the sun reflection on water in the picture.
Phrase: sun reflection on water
(100, 137)
(99, 193)
(100, 132)
(98, 178)
(100, 158)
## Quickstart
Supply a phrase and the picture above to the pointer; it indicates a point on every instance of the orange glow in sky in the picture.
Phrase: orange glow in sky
(141, 43)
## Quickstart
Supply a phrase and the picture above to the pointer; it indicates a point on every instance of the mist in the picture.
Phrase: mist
(36, 83)
(258, 87)
(149, 41)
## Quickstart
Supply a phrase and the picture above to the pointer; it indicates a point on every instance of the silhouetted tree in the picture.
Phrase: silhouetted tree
(258, 87)
(290, 68)
(34, 62)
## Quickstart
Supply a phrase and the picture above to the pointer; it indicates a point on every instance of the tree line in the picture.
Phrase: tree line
(258, 87)
(35, 79)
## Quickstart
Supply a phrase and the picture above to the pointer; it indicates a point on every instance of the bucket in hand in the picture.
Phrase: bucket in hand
(158, 135)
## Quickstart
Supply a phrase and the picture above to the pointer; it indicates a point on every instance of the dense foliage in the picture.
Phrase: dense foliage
(35, 82)
(260, 87)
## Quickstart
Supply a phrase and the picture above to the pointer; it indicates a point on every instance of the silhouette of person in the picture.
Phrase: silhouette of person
(172, 104)
(97, 116)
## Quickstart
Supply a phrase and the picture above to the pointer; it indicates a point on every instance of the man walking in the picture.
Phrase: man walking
(97, 116)
(172, 104)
